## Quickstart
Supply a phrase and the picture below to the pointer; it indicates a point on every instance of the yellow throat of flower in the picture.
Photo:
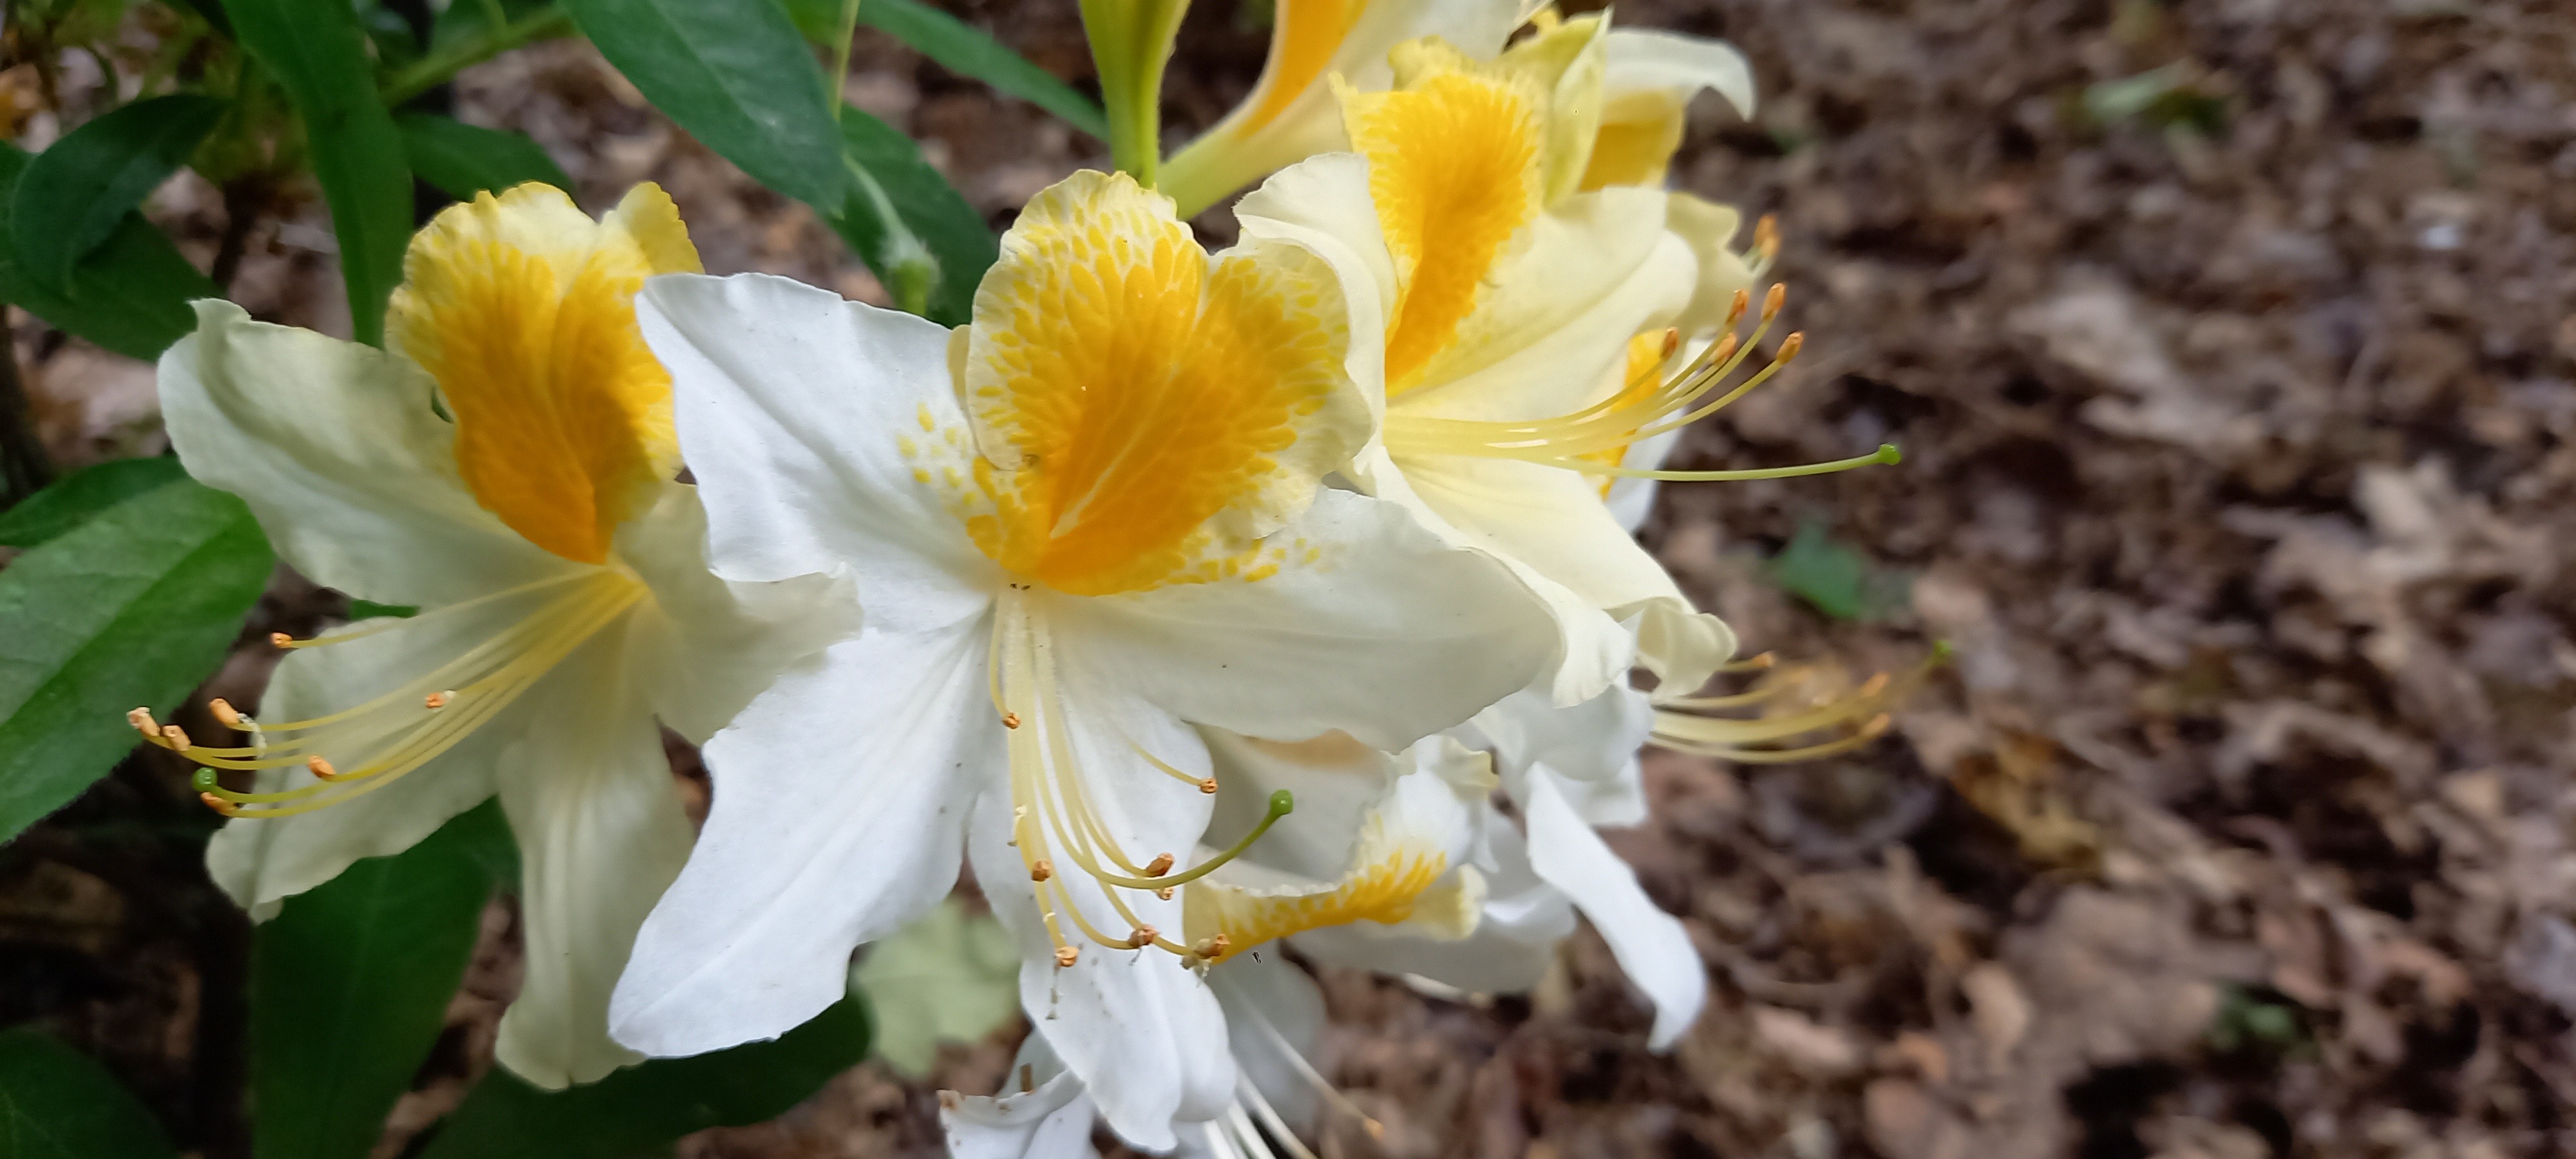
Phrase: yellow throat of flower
(1142, 415)
(523, 309)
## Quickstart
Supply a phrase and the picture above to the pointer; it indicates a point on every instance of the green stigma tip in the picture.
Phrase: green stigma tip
(1282, 803)
(1941, 649)
(1887, 453)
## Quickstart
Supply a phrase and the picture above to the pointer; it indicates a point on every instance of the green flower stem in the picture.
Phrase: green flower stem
(430, 71)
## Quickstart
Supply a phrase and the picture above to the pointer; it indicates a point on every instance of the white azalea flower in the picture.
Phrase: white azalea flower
(1086, 519)
(1528, 327)
(508, 469)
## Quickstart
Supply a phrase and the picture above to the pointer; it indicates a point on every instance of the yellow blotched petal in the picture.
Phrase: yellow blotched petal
(1454, 167)
(1143, 414)
(523, 310)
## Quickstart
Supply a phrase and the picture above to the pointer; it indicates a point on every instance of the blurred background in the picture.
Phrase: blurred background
(2232, 348)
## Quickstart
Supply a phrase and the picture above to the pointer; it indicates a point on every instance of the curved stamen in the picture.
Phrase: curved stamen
(1847, 722)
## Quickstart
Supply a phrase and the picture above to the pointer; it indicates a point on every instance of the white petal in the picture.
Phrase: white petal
(1334, 778)
(1142, 1031)
(1554, 326)
(1323, 203)
(1593, 740)
(840, 809)
(261, 860)
(1051, 1122)
(1644, 59)
(707, 645)
(1553, 520)
(336, 449)
(1651, 945)
(1390, 636)
(794, 408)
(1271, 1010)
(601, 831)
(1631, 498)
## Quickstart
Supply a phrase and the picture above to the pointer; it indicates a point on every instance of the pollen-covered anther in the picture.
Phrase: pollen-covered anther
(142, 721)
(1208, 786)
(1772, 301)
(1736, 307)
(320, 768)
(1066, 956)
(1010, 720)
(1041, 870)
(224, 712)
(1766, 235)
(438, 700)
(280, 640)
(1211, 948)
(1164, 893)
(175, 737)
(1160, 865)
(1142, 937)
(1789, 347)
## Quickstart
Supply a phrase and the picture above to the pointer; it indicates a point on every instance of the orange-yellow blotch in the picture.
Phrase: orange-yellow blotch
(523, 309)
(1143, 413)
(1456, 171)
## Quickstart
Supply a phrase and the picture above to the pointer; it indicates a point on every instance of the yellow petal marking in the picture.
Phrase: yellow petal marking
(1635, 150)
(1647, 352)
(523, 309)
(1144, 414)
(1394, 884)
(1455, 170)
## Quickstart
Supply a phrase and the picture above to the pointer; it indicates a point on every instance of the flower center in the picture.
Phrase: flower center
(363, 748)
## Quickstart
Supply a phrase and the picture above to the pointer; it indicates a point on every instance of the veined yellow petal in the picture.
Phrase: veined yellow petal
(523, 310)
(1143, 413)
(1454, 168)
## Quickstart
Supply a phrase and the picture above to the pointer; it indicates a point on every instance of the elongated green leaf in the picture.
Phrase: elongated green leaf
(71, 501)
(129, 295)
(960, 48)
(318, 52)
(74, 194)
(350, 984)
(463, 160)
(735, 75)
(959, 241)
(645, 1107)
(133, 607)
(55, 1103)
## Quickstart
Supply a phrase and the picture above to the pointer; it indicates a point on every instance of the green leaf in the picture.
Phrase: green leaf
(737, 77)
(318, 53)
(129, 295)
(463, 160)
(75, 194)
(641, 1108)
(72, 500)
(960, 48)
(56, 1103)
(931, 208)
(950, 976)
(133, 607)
(1835, 578)
(350, 985)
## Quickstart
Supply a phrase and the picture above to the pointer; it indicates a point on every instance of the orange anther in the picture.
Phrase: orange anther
(216, 803)
(1160, 865)
(1066, 955)
(1164, 893)
(1208, 786)
(141, 719)
(437, 700)
(1772, 301)
(280, 639)
(1789, 348)
(321, 768)
(1010, 720)
(1041, 869)
(224, 713)
(175, 736)
(1143, 937)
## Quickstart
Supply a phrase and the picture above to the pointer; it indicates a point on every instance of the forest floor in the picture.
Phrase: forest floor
(2232, 348)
